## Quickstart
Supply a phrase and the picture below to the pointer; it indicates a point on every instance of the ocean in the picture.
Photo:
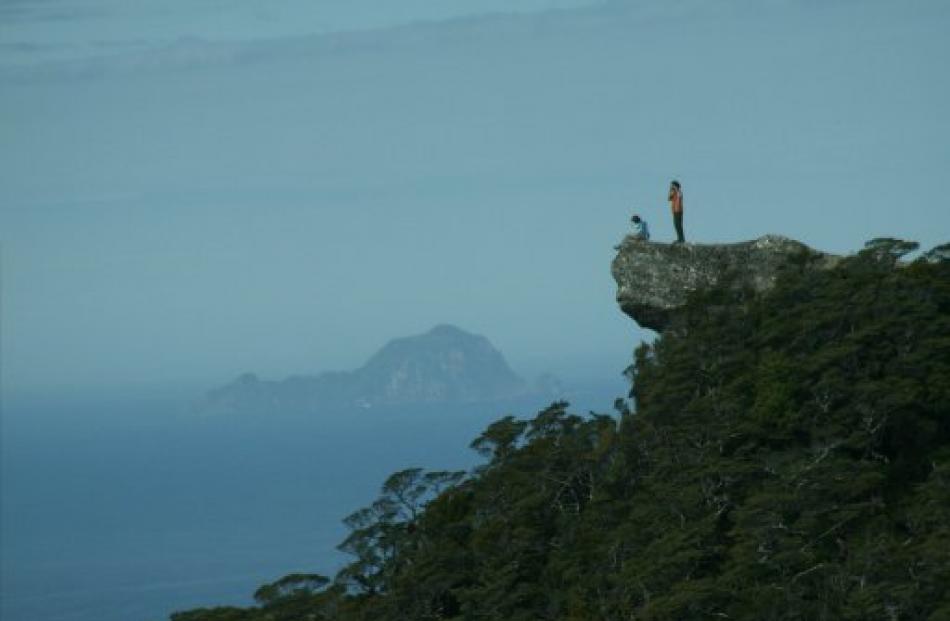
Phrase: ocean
(128, 507)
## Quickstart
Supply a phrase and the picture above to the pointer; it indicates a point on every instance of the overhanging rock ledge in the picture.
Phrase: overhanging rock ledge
(654, 279)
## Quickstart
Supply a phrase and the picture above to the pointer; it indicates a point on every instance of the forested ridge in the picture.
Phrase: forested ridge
(788, 458)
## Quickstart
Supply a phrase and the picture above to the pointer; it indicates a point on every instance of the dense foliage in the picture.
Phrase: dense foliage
(789, 458)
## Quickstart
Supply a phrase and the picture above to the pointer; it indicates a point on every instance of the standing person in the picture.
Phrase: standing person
(676, 204)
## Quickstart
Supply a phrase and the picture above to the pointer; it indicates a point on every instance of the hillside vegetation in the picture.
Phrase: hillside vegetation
(789, 458)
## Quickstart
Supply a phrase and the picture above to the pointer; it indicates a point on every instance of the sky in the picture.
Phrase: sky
(192, 190)
(45, 30)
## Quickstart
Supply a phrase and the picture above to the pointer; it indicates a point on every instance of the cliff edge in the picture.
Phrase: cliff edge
(655, 279)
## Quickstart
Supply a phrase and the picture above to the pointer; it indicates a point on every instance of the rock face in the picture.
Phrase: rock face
(444, 365)
(654, 279)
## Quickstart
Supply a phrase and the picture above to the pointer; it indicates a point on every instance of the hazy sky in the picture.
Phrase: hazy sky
(190, 190)
(43, 30)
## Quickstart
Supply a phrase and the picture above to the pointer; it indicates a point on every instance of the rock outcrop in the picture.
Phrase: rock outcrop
(655, 279)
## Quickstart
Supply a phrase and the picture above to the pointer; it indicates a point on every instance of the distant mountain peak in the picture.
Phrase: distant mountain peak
(447, 329)
(443, 365)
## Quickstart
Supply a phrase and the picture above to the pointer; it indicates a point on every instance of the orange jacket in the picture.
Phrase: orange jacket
(676, 200)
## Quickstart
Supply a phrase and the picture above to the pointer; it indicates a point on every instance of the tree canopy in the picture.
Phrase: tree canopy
(788, 458)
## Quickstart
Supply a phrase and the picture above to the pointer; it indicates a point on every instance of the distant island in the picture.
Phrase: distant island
(444, 365)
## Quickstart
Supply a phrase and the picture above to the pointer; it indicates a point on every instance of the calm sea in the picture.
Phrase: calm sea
(127, 508)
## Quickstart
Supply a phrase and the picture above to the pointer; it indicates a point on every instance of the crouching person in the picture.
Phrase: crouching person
(641, 231)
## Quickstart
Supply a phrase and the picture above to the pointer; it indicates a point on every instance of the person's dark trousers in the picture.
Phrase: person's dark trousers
(678, 223)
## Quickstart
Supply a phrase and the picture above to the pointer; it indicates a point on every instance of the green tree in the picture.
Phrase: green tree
(787, 458)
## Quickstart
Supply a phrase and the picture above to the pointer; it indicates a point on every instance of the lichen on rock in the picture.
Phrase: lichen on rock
(655, 279)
